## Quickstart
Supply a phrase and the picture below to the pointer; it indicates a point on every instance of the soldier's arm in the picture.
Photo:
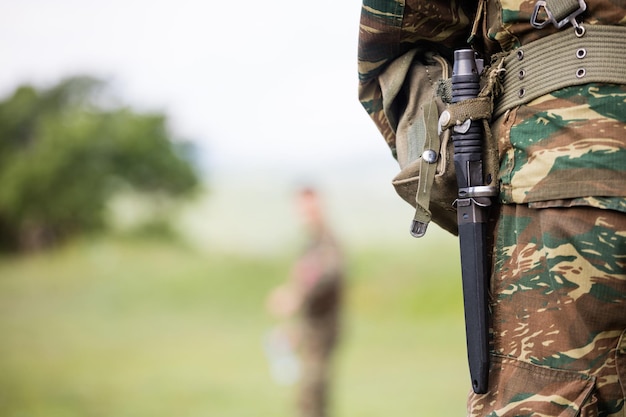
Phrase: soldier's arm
(389, 30)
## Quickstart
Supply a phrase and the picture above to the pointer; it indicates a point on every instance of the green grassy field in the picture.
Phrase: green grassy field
(146, 328)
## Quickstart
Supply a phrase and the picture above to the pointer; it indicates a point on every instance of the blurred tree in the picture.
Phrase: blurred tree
(65, 151)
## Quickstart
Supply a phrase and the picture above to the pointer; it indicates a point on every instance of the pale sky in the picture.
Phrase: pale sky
(267, 88)
(255, 82)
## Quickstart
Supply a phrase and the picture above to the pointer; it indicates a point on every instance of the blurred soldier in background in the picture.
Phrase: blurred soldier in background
(311, 298)
(554, 90)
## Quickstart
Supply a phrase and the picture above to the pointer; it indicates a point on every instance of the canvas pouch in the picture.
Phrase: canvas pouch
(412, 100)
(416, 90)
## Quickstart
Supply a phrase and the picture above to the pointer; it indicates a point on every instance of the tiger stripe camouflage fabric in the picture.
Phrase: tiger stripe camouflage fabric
(389, 29)
(566, 145)
(558, 286)
(559, 314)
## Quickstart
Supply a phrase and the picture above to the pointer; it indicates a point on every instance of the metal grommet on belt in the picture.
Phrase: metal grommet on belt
(579, 30)
(561, 60)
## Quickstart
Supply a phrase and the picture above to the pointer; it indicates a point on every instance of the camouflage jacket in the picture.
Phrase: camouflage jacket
(319, 276)
(565, 148)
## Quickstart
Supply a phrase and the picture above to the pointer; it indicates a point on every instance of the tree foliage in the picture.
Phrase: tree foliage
(64, 152)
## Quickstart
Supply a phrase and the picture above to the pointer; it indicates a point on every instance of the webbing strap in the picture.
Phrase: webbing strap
(557, 12)
(473, 109)
(561, 9)
(428, 167)
(562, 60)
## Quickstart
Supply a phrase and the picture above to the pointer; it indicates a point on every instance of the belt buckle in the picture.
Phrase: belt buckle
(571, 18)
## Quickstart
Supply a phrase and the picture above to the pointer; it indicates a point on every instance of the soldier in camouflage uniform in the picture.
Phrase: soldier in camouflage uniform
(558, 282)
(313, 297)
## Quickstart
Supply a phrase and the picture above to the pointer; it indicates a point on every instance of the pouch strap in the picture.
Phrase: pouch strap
(564, 59)
(470, 109)
(427, 169)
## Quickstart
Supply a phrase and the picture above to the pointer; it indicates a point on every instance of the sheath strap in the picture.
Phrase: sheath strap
(428, 164)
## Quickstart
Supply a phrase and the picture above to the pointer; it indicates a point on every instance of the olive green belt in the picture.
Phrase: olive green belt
(596, 54)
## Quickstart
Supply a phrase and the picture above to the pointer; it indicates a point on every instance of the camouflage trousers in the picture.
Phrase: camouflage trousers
(316, 353)
(558, 314)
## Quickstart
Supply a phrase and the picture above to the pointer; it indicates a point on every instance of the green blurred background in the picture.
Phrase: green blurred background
(149, 151)
(146, 327)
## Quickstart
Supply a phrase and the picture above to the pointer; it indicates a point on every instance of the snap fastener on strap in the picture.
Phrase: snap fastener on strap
(429, 156)
(471, 109)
